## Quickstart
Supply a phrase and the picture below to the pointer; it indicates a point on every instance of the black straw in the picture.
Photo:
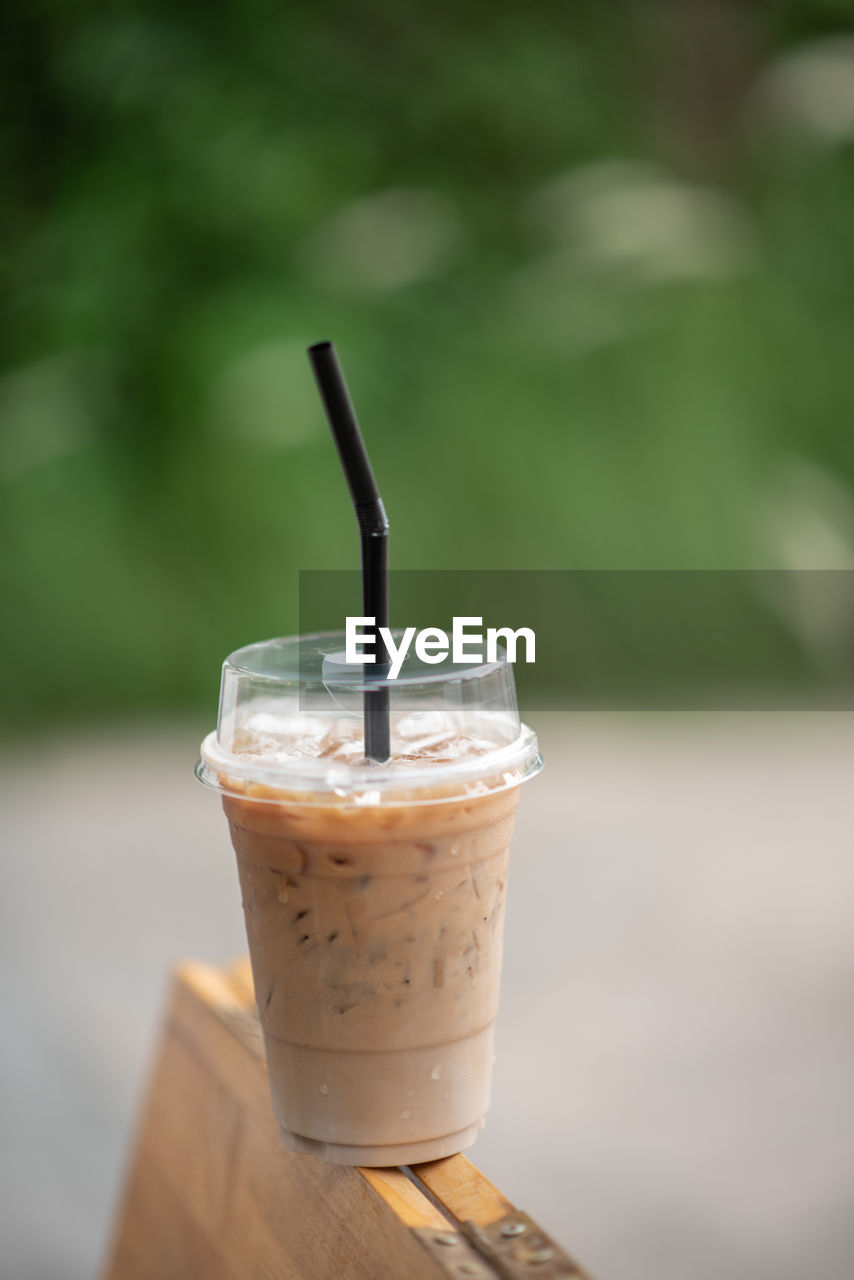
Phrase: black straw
(373, 530)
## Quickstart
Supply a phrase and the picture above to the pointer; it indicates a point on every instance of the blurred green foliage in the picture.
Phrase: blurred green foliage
(590, 270)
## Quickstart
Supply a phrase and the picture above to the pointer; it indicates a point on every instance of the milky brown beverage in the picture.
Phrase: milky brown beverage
(374, 915)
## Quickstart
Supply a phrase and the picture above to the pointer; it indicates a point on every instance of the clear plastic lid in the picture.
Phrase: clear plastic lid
(290, 720)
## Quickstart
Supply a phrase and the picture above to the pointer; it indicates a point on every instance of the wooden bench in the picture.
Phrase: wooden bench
(213, 1193)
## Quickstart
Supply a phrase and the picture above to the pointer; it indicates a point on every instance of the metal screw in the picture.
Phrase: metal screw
(541, 1255)
(445, 1237)
(513, 1228)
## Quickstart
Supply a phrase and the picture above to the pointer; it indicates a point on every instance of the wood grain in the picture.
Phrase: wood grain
(409, 1205)
(462, 1190)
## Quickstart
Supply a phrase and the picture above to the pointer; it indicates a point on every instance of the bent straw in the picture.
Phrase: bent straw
(373, 531)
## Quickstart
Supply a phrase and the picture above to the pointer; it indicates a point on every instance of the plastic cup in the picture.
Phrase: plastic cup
(373, 894)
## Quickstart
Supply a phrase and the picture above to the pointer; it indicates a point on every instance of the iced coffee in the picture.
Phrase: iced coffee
(373, 896)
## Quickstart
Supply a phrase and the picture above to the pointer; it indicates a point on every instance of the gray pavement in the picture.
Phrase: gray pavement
(673, 1093)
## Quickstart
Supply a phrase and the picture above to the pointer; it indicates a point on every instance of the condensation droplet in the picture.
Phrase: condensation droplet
(439, 895)
(283, 897)
(436, 1073)
(406, 1115)
(324, 1088)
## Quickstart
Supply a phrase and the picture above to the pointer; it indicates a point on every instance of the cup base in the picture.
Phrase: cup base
(376, 1157)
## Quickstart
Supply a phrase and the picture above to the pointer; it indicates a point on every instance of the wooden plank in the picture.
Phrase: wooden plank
(510, 1242)
(462, 1190)
(409, 1205)
(214, 1193)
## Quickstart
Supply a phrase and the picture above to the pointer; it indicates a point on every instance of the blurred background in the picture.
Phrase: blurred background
(591, 273)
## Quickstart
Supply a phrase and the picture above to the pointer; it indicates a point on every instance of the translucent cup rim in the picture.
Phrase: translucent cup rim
(313, 783)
